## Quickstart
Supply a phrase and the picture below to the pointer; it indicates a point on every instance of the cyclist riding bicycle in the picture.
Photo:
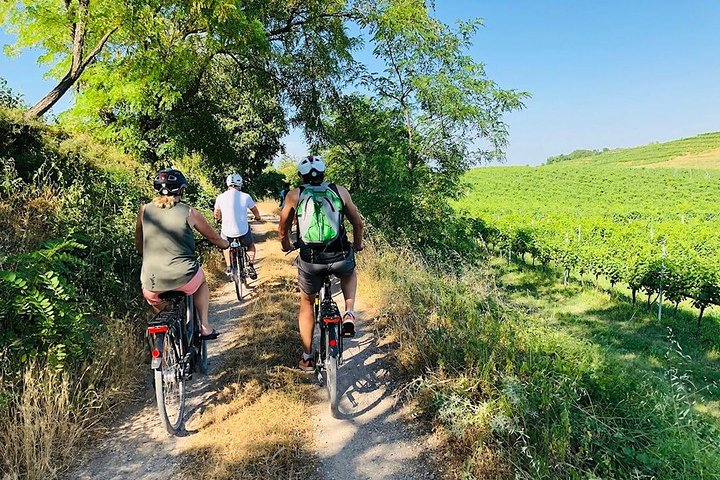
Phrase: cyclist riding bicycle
(231, 208)
(320, 209)
(164, 238)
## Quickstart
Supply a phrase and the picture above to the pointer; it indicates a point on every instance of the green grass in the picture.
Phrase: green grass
(686, 152)
(628, 333)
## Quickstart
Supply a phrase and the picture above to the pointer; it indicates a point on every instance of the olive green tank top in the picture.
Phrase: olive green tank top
(169, 260)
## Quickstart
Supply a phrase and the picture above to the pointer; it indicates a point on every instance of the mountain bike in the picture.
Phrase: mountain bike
(329, 358)
(177, 352)
(239, 262)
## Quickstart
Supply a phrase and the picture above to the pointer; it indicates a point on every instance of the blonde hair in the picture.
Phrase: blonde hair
(164, 201)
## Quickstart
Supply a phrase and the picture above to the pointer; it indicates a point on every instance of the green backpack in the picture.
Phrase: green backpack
(319, 214)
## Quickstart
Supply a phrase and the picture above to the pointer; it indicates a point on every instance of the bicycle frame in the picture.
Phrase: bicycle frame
(327, 317)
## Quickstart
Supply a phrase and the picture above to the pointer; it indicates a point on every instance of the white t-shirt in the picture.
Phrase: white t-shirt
(233, 206)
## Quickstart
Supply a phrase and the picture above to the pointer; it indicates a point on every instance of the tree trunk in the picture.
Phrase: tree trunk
(677, 304)
(41, 107)
(702, 310)
(634, 292)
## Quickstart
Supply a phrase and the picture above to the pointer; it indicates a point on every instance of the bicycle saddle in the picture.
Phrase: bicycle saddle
(172, 295)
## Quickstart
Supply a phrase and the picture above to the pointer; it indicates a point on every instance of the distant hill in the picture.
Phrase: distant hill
(701, 151)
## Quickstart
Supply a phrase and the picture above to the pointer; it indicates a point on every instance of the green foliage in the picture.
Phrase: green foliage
(268, 184)
(573, 155)
(402, 151)
(41, 315)
(8, 98)
(54, 186)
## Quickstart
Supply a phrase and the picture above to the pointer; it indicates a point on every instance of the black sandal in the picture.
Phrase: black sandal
(210, 336)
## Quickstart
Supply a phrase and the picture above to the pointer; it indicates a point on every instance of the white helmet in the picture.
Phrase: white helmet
(234, 180)
(312, 166)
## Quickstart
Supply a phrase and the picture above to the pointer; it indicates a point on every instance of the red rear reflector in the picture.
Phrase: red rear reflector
(333, 342)
(156, 353)
(331, 319)
(158, 329)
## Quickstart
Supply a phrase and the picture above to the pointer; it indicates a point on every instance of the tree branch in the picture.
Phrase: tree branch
(99, 47)
(291, 23)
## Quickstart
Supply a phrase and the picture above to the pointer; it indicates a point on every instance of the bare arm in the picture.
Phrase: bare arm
(286, 218)
(353, 215)
(256, 212)
(198, 222)
(139, 231)
(217, 214)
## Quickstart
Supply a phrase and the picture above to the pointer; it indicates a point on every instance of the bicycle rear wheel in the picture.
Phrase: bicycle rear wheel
(331, 369)
(170, 382)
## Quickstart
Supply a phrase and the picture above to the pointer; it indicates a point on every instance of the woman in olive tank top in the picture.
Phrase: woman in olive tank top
(164, 238)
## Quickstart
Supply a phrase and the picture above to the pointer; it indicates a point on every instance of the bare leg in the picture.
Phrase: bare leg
(349, 288)
(251, 252)
(226, 254)
(306, 321)
(202, 303)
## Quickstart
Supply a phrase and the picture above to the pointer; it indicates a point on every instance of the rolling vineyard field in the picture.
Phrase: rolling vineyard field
(613, 214)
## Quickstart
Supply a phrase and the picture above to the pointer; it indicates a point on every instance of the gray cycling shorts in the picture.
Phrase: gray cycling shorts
(310, 275)
(245, 240)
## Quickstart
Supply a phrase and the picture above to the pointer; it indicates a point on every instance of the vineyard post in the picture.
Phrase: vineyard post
(662, 277)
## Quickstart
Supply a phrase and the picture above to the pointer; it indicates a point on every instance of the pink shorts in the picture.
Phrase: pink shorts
(153, 298)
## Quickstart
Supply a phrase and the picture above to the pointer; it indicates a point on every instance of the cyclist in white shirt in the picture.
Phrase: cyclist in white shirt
(231, 207)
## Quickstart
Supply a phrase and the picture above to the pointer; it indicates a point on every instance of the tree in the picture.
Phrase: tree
(72, 34)
(447, 102)
(403, 147)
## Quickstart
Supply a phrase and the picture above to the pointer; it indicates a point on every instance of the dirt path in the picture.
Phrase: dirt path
(369, 441)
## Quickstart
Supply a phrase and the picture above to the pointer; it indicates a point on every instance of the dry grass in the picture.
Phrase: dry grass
(51, 414)
(258, 426)
(45, 426)
(705, 160)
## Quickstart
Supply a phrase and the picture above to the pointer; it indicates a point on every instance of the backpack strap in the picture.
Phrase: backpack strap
(335, 189)
(297, 220)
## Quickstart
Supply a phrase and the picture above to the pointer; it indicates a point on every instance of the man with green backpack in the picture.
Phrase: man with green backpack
(320, 209)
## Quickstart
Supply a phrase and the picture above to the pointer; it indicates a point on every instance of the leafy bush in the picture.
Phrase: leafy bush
(41, 315)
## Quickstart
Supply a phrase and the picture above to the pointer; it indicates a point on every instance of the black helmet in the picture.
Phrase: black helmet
(169, 182)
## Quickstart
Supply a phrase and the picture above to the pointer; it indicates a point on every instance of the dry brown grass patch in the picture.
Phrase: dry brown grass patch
(254, 438)
(45, 425)
(258, 426)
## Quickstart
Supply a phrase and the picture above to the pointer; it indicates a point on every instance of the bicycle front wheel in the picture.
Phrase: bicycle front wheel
(170, 384)
(237, 274)
(200, 346)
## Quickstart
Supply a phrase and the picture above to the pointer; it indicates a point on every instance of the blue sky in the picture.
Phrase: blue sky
(601, 74)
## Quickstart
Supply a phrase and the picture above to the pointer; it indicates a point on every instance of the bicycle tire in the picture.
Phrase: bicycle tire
(331, 373)
(170, 384)
(237, 278)
(200, 347)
